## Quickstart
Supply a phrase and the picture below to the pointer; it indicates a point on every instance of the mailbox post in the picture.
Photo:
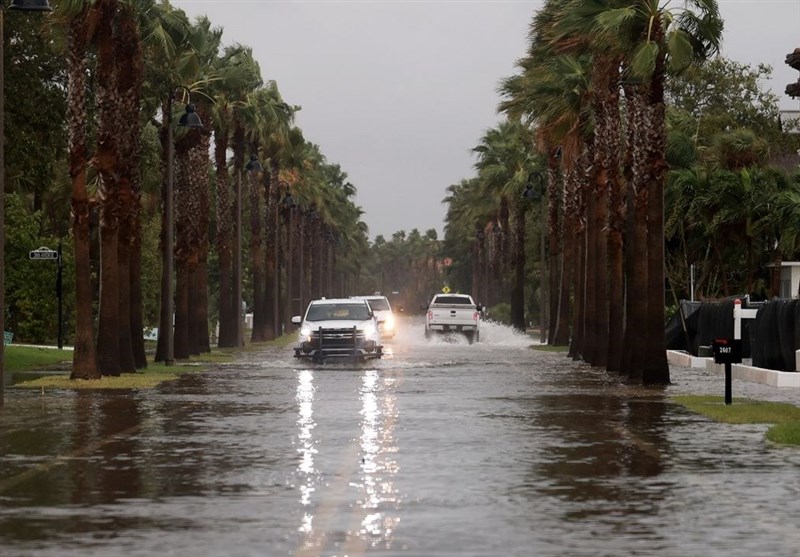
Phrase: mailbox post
(727, 351)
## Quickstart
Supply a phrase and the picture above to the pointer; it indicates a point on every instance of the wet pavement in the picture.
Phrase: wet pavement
(440, 449)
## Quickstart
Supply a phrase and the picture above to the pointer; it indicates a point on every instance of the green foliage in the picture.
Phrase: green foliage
(31, 300)
(723, 95)
(35, 104)
(500, 313)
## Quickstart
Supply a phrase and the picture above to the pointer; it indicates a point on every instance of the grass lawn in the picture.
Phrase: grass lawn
(786, 417)
(19, 357)
(22, 358)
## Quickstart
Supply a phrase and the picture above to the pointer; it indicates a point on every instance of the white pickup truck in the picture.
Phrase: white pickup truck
(448, 313)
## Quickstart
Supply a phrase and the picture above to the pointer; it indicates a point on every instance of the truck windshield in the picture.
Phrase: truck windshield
(337, 312)
(378, 303)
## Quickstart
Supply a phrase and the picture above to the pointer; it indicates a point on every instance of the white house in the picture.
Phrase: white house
(790, 278)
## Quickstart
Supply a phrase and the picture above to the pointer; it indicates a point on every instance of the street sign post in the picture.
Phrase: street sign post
(43, 253)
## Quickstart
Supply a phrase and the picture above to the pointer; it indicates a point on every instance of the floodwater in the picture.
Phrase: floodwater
(440, 449)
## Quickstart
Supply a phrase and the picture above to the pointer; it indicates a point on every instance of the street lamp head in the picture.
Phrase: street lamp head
(534, 193)
(253, 164)
(190, 118)
(288, 201)
(30, 5)
(531, 193)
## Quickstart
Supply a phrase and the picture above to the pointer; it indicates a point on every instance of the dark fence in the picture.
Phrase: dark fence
(770, 339)
(697, 324)
(775, 335)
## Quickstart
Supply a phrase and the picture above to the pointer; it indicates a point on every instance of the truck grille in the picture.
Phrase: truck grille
(337, 338)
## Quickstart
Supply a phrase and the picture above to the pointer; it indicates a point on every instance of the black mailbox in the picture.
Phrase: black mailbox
(727, 351)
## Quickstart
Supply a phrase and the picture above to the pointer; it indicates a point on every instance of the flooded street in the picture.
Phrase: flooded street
(440, 449)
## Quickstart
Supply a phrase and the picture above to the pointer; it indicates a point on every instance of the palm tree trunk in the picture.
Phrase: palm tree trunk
(257, 257)
(656, 368)
(127, 363)
(518, 288)
(224, 241)
(560, 240)
(591, 279)
(202, 331)
(600, 248)
(186, 238)
(84, 362)
(106, 160)
(129, 70)
(636, 256)
(195, 167)
(268, 305)
(288, 307)
(577, 226)
(165, 319)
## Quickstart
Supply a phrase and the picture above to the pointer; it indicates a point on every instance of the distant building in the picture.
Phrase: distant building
(789, 278)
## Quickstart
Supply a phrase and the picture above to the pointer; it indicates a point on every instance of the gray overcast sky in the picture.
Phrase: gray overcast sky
(398, 92)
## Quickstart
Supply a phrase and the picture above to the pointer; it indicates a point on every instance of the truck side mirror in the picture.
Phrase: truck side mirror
(296, 320)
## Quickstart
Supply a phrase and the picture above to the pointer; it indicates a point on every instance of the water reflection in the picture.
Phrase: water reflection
(353, 505)
(305, 441)
(600, 449)
(378, 467)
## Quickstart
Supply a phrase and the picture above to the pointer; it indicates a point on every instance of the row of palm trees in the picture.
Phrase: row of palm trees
(129, 62)
(586, 117)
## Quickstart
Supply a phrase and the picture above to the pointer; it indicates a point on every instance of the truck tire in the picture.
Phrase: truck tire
(470, 336)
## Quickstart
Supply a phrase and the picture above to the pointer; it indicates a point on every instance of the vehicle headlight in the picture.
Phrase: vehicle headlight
(369, 330)
(305, 333)
(389, 323)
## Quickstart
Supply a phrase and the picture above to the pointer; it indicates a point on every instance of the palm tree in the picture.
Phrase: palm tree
(170, 66)
(270, 121)
(191, 195)
(655, 41)
(504, 165)
(236, 76)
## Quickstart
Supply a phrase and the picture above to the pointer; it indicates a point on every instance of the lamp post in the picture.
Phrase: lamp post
(27, 6)
(252, 165)
(537, 193)
(189, 119)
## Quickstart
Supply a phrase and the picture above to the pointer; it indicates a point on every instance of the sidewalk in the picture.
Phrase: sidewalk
(701, 376)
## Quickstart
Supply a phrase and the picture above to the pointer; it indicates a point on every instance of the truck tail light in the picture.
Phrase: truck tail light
(430, 315)
(475, 315)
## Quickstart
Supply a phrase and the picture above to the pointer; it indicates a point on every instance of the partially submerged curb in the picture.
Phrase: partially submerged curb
(148, 378)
